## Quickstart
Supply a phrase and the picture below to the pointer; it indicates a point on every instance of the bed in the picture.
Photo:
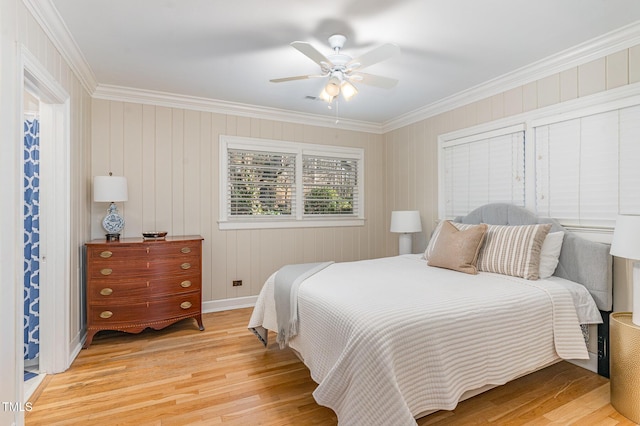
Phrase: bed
(390, 340)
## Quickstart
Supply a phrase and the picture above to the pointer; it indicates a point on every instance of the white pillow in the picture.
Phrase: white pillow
(432, 241)
(550, 253)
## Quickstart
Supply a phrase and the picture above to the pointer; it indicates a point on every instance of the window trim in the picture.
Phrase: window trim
(299, 220)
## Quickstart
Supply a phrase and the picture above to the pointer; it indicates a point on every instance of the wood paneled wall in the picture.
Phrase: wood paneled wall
(170, 157)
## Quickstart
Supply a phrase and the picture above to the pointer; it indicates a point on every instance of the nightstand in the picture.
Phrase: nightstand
(625, 365)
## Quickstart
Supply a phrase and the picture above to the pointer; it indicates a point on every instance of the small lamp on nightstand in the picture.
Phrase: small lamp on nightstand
(624, 327)
(111, 189)
(405, 222)
(626, 243)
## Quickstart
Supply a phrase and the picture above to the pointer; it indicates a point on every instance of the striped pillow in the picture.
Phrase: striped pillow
(513, 250)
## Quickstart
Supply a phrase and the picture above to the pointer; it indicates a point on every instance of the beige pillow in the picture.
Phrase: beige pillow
(457, 250)
(513, 250)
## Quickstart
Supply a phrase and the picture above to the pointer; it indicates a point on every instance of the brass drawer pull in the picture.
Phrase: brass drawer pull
(106, 254)
(185, 284)
(106, 271)
(185, 250)
(106, 314)
(185, 265)
(185, 305)
(106, 291)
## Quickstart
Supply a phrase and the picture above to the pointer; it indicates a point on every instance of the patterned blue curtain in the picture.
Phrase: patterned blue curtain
(31, 238)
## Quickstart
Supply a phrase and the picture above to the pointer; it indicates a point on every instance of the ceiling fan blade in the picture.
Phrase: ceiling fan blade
(374, 56)
(310, 52)
(298, 77)
(374, 80)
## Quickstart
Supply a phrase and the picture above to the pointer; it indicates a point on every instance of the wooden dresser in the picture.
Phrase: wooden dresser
(133, 283)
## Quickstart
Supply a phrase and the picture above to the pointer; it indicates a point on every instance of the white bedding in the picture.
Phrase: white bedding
(390, 338)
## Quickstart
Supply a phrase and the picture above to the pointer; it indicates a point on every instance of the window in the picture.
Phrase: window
(267, 184)
(587, 167)
(576, 162)
(330, 185)
(483, 168)
(260, 183)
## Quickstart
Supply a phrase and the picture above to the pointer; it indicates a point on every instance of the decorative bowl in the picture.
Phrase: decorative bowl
(154, 234)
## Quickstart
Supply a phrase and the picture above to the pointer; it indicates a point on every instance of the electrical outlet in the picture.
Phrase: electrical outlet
(237, 283)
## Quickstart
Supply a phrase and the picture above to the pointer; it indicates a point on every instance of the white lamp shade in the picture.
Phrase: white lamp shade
(626, 237)
(110, 189)
(626, 243)
(405, 221)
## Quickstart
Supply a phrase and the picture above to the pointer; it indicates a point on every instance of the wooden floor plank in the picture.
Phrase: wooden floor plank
(223, 375)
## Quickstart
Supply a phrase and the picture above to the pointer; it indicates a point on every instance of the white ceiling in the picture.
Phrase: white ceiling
(228, 51)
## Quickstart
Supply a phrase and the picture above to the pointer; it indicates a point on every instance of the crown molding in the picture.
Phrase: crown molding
(47, 16)
(612, 42)
(173, 100)
(49, 19)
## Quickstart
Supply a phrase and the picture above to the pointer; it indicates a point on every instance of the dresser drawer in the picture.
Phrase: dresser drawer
(175, 249)
(143, 252)
(184, 264)
(108, 252)
(116, 269)
(145, 312)
(122, 269)
(113, 291)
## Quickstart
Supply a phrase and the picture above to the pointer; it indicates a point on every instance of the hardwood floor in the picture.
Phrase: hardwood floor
(180, 376)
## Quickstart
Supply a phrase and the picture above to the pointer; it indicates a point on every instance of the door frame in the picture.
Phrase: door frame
(54, 214)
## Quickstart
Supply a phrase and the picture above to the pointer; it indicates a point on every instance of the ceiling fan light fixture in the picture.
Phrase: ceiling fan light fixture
(348, 90)
(333, 86)
(325, 96)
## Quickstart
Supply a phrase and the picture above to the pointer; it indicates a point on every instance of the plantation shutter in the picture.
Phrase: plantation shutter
(260, 183)
(483, 169)
(330, 185)
(587, 168)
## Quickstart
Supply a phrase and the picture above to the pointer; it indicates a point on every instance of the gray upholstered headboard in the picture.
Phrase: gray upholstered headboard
(583, 261)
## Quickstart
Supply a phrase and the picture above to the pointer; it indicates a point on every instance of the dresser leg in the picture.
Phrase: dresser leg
(90, 334)
(199, 320)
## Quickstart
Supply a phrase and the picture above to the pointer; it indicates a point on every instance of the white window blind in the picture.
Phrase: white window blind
(587, 168)
(330, 185)
(629, 173)
(482, 169)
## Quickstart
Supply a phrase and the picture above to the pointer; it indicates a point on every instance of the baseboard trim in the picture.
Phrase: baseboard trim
(590, 364)
(228, 304)
(76, 345)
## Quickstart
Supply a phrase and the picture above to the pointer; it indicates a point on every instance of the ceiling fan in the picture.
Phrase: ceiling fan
(343, 70)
